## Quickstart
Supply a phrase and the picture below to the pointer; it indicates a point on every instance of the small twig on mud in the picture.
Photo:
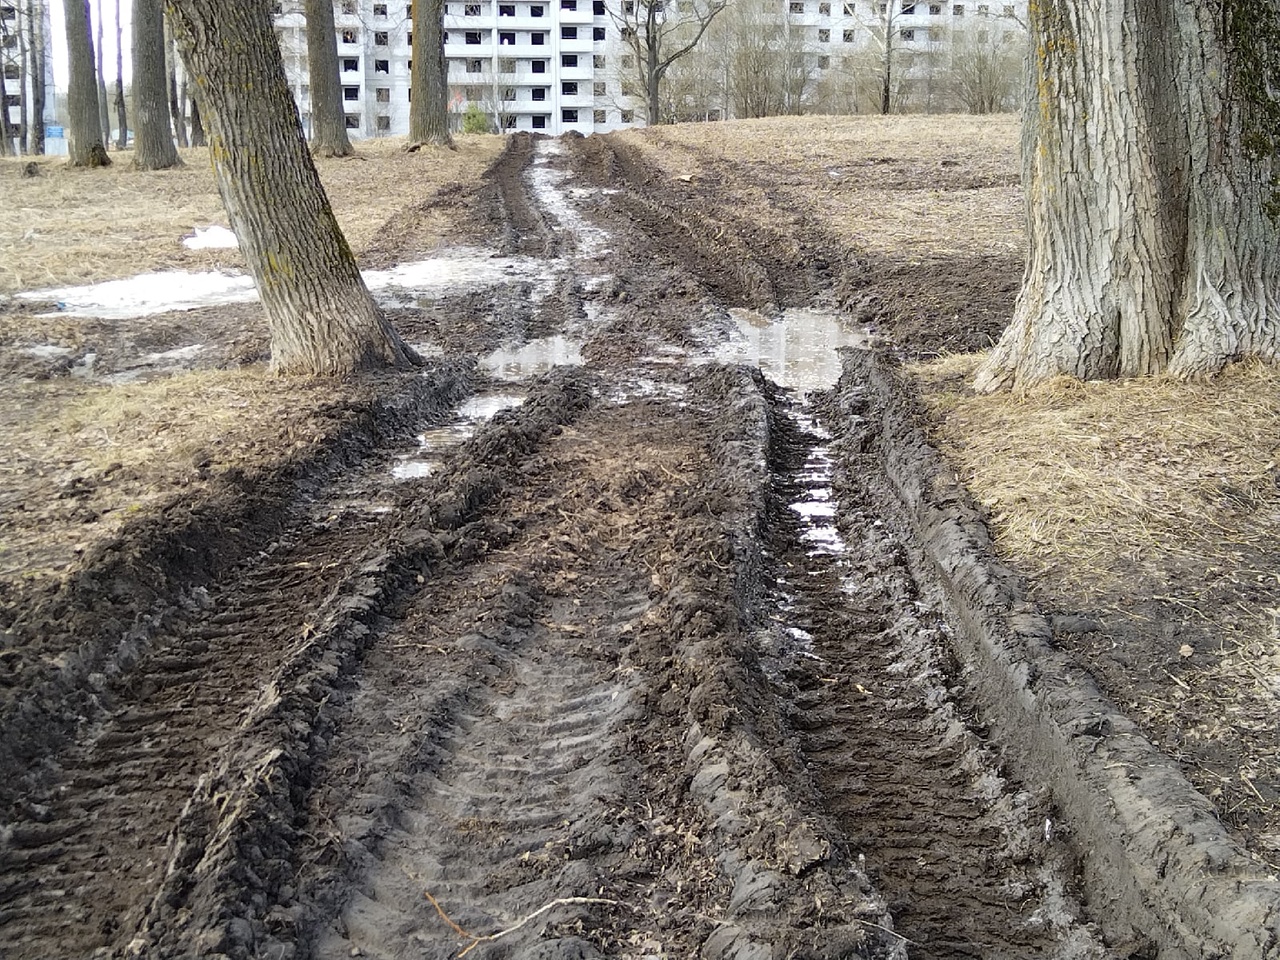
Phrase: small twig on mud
(476, 939)
(892, 933)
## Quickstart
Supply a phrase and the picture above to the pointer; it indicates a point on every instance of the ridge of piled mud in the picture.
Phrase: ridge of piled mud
(1165, 877)
(65, 647)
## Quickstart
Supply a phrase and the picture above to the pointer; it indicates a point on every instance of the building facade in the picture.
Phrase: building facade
(555, 66)
(16, 59)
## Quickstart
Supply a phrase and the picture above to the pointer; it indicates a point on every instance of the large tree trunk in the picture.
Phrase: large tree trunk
(104, 104)
(429, 107)
(121, 117)
(1149, 249)
(328, 118)
(175, 108)
(84, 147)
(35, 30)
(153, 147)
(322, 318)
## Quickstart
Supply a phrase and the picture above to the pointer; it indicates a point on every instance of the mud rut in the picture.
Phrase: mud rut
(639, 670)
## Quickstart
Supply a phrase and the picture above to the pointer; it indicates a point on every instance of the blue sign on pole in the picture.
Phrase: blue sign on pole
(52, 132)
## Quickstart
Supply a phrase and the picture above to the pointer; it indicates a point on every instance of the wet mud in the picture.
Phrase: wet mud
(600, 639)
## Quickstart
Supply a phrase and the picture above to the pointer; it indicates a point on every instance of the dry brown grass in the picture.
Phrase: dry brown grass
(860, 176)
(1090, 481)
(70, 226)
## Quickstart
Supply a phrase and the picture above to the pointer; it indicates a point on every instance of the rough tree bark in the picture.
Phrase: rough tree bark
(328, 119)
(35, 30)
(1150, 249)
(122, 118)
(84, 148)
(323, 320)
(153, 147)
(429, 104)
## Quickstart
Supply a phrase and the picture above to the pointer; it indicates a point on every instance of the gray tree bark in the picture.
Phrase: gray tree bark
(85, 147)
(429, 104)
(35, 29)
(122, 118)
(153, 147)
(323, 320)
(104, 104)
(1149, 246)
(328, 118)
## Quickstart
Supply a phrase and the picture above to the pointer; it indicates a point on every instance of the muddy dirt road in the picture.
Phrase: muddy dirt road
(600, 648)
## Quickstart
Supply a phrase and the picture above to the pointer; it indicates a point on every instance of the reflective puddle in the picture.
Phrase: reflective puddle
(532, 358)
(796, 350)
(433, 444)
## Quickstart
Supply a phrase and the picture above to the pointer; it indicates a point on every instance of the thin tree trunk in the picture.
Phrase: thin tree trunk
(84, 147)
(153, 147)
(24, 114)
(104, 104)
(429, 108)
(35, 29)
(322, 318)
(121, 117)
(328, 118)
(6, 128)
(175, 112)
(197, 125)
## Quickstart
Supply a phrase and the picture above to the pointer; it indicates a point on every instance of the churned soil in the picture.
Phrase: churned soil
(633, 654)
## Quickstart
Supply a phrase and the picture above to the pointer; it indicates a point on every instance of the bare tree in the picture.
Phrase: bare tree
(176, 105)
(322, 318)
(659, 33)
(85, 147)
(24, 71)
(986, 63)
(328, 118)
(104, 104)
(122, 118)
(429, 104)
(1166, 255)
(36, 40)
(153, 141)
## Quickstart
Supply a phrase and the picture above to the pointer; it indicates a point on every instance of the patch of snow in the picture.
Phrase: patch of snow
(211, 238)
(149, 293)
(47, 351)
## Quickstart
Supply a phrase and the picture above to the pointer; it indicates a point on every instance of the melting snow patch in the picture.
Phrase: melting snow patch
(211, 238)
(47, 351)
(149, 293)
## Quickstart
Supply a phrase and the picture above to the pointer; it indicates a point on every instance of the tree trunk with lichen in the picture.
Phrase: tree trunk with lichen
(429, 107)
(323, 320)
(328, 119)
(85, 147)
(1150, 249)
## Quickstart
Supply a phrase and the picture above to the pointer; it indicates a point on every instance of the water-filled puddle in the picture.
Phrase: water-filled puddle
(432, 444)
(532, 358)
(797, 349)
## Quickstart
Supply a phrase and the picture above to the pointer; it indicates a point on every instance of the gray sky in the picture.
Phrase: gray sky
(108, 7)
